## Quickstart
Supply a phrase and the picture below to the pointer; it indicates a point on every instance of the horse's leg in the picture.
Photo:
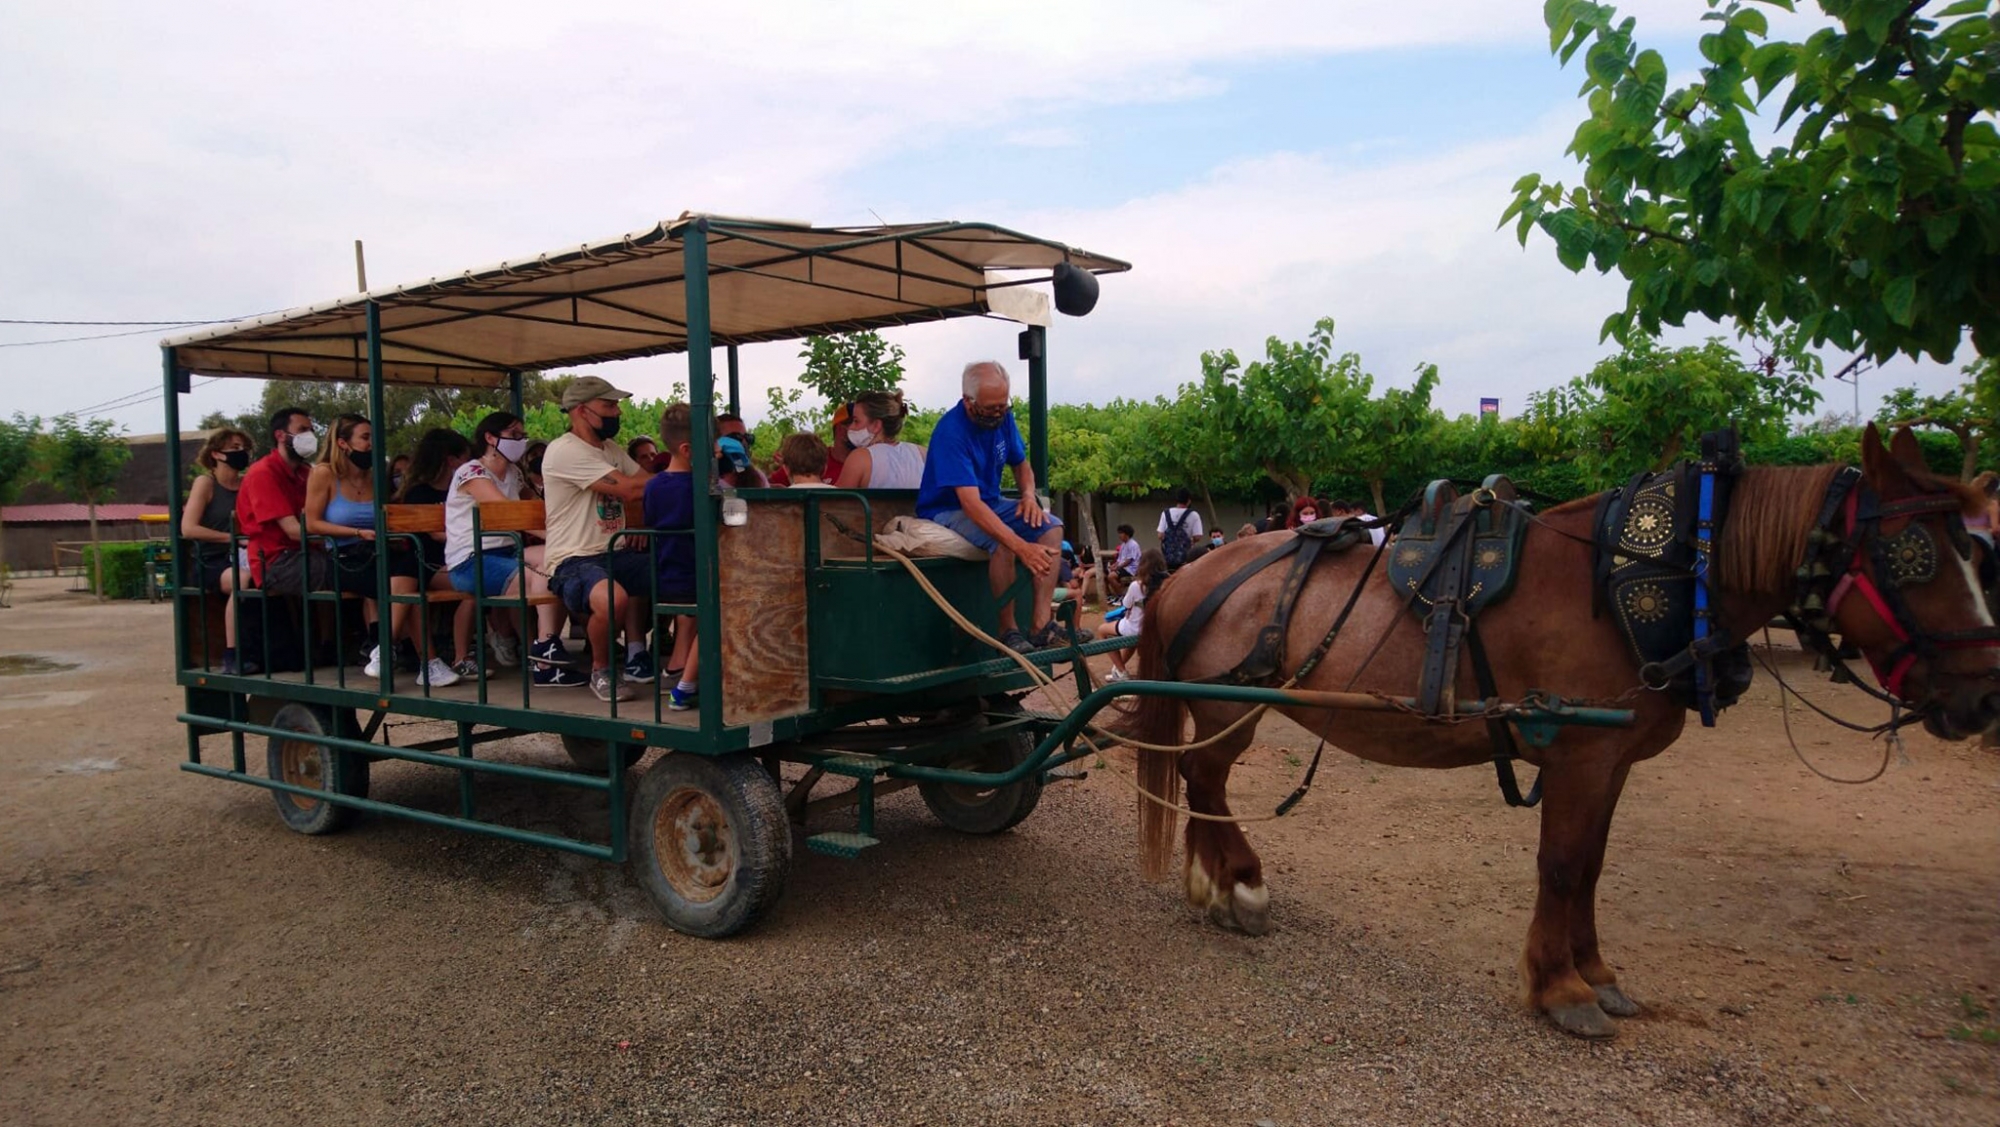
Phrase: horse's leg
(1583, 919)
(1224, 877)
(1578, 791)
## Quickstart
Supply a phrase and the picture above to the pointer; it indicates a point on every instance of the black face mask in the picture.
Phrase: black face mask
(985, 422)
(361, 459)
(607, 425)
(236, 459)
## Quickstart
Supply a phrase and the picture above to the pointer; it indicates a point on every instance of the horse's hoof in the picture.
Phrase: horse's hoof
(1584, 1020)
(1613, 1001)
(1253, 908)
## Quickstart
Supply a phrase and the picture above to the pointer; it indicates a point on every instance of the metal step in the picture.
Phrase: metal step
(856, 766)
(843, 845)
(1068, 772)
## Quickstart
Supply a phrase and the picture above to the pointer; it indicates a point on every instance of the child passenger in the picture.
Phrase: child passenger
(1152, 573)
(804, 457)
(669, 505)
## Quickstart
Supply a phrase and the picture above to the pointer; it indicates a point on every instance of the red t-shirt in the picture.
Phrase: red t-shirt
(272, 490)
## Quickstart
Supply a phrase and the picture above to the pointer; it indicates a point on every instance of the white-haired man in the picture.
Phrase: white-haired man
(961, 490)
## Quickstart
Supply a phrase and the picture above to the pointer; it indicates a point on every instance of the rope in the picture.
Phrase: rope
(1784, 714)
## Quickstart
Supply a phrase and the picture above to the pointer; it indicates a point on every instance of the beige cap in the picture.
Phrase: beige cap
(587, 388)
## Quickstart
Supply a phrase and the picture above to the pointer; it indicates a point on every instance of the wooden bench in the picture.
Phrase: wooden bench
(494, 516)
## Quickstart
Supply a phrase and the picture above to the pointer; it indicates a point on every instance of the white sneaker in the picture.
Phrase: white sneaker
(506, 650)
(374, 666)
(436, 675)
(1114, 675)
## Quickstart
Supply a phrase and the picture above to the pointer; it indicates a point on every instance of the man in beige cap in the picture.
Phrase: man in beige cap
(587, 478)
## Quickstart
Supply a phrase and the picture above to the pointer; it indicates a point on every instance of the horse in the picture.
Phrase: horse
(1545, 636)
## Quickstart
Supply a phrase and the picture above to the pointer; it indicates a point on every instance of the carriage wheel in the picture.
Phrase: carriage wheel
(989, 810)
(710, 842)
(594, 756)
(304, 763)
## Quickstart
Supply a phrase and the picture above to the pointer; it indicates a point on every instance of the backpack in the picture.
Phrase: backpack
(1174, 542)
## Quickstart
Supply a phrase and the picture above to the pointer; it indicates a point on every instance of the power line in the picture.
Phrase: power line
(97, 336)
(196, 321)
(135, 399)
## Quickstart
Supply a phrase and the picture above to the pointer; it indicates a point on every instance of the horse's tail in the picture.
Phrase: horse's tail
(1155, 720)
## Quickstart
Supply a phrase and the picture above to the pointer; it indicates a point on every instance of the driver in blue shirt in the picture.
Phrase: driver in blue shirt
(961, 490)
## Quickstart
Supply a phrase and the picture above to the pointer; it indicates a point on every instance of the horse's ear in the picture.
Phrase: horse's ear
(1883, 469)
(1903, 447)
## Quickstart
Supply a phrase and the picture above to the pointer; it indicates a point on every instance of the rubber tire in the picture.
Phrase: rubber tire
(994, 811)
(299, 814)
(594, 756)
(750, 877)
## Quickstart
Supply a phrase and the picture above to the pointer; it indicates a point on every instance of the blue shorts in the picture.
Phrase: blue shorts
(576, 577)
(498, 570)
(1008, 511)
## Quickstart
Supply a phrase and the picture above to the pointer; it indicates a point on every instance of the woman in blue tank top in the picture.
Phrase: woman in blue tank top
(340, 503)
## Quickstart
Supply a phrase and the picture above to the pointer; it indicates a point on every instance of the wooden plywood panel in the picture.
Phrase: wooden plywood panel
(765, 672)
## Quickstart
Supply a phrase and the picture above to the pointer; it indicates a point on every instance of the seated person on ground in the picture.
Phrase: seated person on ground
(340, 503)
(804, 458)
(496, 568)
(1152, 572)
(205, 520)
(589, 478)
(879, 459)
(669, 506)
(960, 489)
(1126, 564)
(1355, 510)
(426, 479)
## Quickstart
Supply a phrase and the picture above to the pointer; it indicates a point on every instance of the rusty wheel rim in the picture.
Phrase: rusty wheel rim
(694, 844)
(302, 765)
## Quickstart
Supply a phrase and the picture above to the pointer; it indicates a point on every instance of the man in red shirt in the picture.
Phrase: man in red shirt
(274, 490)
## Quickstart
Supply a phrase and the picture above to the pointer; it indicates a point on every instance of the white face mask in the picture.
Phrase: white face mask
(305, 444)
(512, 448)
(859, 438)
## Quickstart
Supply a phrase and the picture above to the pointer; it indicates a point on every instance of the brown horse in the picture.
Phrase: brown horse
(1544, 636)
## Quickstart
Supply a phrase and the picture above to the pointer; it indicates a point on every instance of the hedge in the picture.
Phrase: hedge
(124, 569)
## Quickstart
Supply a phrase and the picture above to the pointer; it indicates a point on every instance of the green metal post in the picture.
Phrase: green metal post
(1038, 405)
(379, 474)
(173, 397)
(701, 397)
(514, 393)
(735, 385)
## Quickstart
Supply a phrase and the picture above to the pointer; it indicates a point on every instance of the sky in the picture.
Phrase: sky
(1262, 165)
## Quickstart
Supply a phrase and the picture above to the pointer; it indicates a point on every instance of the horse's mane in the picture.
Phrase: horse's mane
(1771, 511)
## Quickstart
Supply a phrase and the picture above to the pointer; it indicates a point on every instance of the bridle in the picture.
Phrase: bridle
(1847, 554)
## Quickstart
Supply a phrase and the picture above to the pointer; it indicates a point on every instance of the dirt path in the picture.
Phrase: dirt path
(169, 954)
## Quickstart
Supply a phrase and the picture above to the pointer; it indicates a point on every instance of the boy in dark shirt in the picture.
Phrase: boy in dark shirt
(669, 505)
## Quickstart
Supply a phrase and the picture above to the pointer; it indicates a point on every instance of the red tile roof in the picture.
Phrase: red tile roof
(65, 514)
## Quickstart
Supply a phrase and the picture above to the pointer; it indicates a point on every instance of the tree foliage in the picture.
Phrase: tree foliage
(83, 460)
(842, 367)
(17, 453)
(1875, 226)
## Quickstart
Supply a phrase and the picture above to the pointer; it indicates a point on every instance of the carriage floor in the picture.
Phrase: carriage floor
(503, 690)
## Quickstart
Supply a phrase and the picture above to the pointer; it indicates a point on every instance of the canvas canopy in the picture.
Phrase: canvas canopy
(627, 297)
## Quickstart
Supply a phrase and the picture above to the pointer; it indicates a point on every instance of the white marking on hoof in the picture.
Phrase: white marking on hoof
(1253, 908)
(1205, 895)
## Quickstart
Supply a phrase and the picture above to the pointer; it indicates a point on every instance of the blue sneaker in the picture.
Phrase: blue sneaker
(639, 669)
(549, 651)
(559, 677)
(679, 701)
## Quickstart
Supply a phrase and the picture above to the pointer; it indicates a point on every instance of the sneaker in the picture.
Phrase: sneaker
(374, 666)
(506, 650)
(436, 675)
(1049, 636)
(559, 677)
(466, 668)
(1016, 641)
(600, 683)
(549, 651)
(638, 669)
(229, 667)
(679, 701)
(1114, 675)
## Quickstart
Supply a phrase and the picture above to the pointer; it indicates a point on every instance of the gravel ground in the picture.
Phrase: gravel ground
(170, 954)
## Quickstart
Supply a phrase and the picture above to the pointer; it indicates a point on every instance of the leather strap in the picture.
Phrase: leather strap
(1504, 751)
(1191, 629)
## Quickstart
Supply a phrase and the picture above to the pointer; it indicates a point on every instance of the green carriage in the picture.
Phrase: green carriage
(815, 648)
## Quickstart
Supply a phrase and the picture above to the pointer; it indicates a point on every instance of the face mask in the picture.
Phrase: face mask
(1308, 517)
(984, 422)
(1215, 541)
(236, 459)
(304, 445)
(859, 438)
(361, 459)
(607, 425)
(512, 448)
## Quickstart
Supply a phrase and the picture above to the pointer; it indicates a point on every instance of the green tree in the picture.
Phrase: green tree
(1875, 226)
(83, 460)
(1958, 413)
(850, 364)
(1645, 406)
(17, 461)
(1389, 434)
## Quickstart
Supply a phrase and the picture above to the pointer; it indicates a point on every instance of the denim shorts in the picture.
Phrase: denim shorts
(1008, 511)
(576, 577)
(499, 570)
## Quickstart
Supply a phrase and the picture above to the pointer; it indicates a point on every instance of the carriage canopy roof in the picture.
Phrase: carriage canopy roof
(627, 297)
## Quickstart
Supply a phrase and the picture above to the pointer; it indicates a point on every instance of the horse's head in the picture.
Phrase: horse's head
(1910, 596)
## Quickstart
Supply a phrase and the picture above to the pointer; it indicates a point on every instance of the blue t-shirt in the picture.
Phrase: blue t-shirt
(669, 503)
(964, 453)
